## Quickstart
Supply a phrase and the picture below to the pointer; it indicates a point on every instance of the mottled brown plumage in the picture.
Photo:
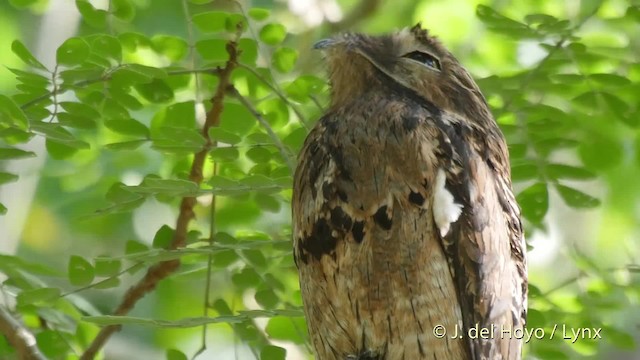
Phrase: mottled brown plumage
(403, 212)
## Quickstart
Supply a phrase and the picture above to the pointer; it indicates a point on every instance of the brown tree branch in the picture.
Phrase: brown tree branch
(19, 337)
(160, 271)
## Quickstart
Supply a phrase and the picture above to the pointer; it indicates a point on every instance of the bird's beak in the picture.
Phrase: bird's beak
(324, 44)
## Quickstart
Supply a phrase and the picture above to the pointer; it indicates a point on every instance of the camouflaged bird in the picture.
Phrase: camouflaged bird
(404, 218)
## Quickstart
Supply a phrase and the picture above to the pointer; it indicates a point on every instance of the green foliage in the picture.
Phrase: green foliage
(122, 112)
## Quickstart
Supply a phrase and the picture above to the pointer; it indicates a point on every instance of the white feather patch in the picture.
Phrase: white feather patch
(445, 210)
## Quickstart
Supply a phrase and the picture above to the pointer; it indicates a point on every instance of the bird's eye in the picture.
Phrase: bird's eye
(424, 58)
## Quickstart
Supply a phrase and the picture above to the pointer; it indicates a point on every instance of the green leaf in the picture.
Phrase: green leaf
(620, 109)
(524, 170)
(212, 49)
(540, 19)
(6, 178)
(23, 53)
(15, 136)
(3, 209)
(132, 41)
(600, 153)
(59, 134)
(295, 139)
(500, 23)
(236, 21)
(59, 151)
(224, 258)
(560, 171)
(52, 344)
(223, 136)
(74, 51)
(178, 140)
(173, 47)
(170, 187)
(535, 319)
(248, 51)
(107, 267)
(200, 2)
(259, 13)
(280, 328)
(122, 198)
(163, 237)
(33, 90)
(225, 154)
(267, 298)
(123, 9)
(610, 79)
(246, 278)
(86, 71)
(618, 338)
(57, 319)
(302, 87)
(81, 109)
(107, 283)
(42, 296)
(30, 77)
(125, 145)
(633, 12)
(576, 198)
(178, 115)
(259, 154)
(75, 121)
(137, 74)
(11, 115)
(267, 202)
(255, 258)
(236, 119)
(173, 354)
(81, 272)
(211, 21)
(105, 47)
(534, 201)
(13, 153)
(124, 99)
(127, 127)
(133, 247)
(284, 59)
(157, 91)
(94, 17)
(272, 352)
(273, 34)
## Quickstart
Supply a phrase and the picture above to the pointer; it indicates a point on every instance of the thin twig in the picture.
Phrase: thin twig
(160, 271)
(265, 124)
(316, 102)
(122, 272)
(557, 46)
(19, 337)
(279, 93)
(631, 268)
(107, 77)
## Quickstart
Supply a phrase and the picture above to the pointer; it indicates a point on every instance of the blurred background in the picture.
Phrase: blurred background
(563, 80)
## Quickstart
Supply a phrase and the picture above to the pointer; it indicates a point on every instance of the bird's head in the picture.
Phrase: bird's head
(410, 58)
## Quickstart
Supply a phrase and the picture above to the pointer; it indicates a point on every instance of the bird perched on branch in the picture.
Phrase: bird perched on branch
(407, 235)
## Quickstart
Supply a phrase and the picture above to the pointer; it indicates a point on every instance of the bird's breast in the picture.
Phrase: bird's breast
(386, 285)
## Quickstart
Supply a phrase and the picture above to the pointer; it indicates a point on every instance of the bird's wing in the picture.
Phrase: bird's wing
(485, 244)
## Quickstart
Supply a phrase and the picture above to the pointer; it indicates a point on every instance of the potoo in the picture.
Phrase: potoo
(407, 235)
